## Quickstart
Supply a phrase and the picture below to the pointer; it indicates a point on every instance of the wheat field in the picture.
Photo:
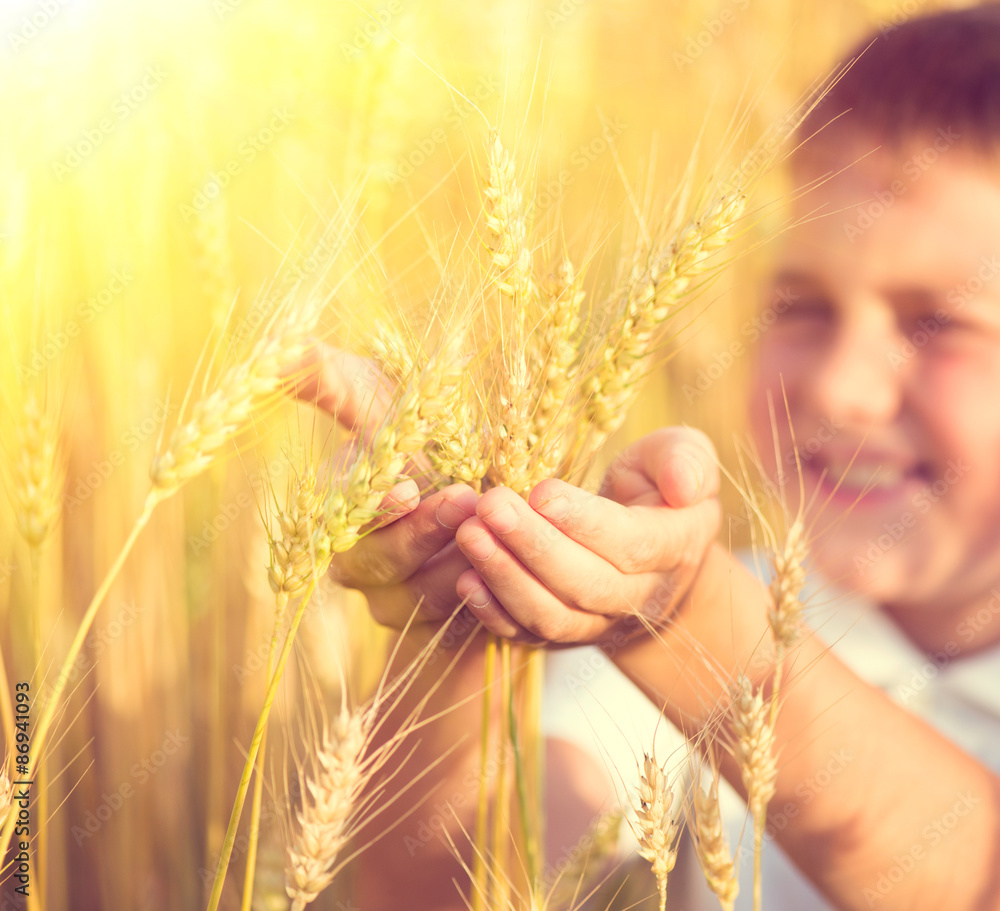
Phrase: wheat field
(194, 190)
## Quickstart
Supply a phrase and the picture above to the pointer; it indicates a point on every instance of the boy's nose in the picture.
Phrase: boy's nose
(854, 382)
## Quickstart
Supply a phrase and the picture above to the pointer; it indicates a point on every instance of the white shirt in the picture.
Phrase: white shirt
(590, 703)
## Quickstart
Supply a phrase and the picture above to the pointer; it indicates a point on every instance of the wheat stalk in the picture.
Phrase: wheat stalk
(459, 444)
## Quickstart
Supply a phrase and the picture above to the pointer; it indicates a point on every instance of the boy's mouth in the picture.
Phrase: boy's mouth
(866, 480)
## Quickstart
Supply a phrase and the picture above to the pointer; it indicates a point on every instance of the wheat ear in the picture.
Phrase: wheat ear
(36, 488)
(330, 793)
(755, 757)
(552, 363)
(653, 288)
(788, 580)
(403, 433)
(713, 853)
(292, 555)
(588, 858)
(227, 409)
(657, 826)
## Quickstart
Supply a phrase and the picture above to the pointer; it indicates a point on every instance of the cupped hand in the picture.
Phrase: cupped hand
(569, 567)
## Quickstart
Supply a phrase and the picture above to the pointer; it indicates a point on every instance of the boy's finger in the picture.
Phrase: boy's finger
(488, 610)
(395, 552)
(349, 388)
(543, 567)
(430, 591)
(676, 463)
(633, 539)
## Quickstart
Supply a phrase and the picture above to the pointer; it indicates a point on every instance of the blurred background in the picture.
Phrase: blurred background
(158, 163)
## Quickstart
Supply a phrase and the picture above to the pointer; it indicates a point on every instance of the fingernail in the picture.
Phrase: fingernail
(482, 546)
(503, 519)
(480, 597)
(451, 515)
(555, 507)
(688, 475)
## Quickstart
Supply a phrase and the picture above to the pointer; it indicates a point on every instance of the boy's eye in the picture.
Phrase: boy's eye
(804, 310)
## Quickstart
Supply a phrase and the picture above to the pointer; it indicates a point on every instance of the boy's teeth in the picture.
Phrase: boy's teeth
(873, 477)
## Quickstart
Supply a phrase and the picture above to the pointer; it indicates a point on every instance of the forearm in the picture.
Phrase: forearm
(875, 807)
(433, 781)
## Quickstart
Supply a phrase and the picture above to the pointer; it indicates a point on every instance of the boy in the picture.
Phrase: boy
(893, 341)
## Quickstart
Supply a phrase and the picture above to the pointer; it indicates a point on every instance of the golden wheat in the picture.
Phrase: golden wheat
(713, 853)
(330, 793)
(657, 826)
(37, 475)
(405, 431)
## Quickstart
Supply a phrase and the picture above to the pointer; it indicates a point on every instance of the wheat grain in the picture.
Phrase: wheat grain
(329, 795)
(710, 846)
(37, 481)
(505, 225)
(403, 433)
(754, 746)
(657, 826)
(293, 558)
(655, 284)
(459, 445)
(788, 580)
(552, 356)
(226, 410)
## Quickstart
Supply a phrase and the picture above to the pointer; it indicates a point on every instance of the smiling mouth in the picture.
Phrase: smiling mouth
(868, 480)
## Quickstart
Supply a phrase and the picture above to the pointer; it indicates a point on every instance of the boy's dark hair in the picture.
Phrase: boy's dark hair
(935, 72)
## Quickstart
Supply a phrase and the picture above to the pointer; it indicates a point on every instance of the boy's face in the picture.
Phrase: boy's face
(886, 333)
